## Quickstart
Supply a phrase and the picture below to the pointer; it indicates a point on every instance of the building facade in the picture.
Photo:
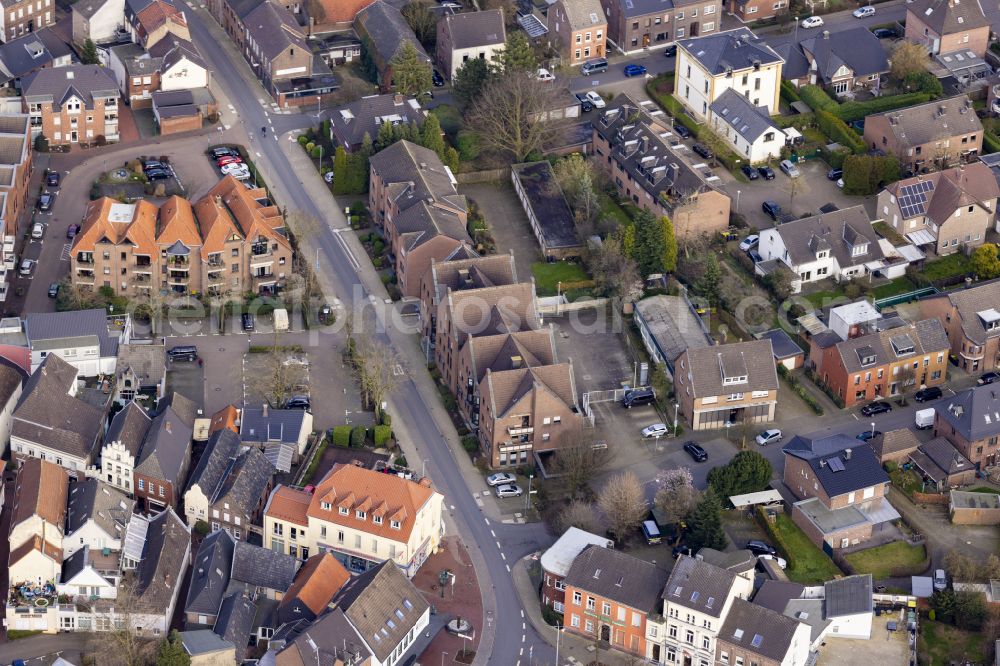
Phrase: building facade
(946, 26)
(633, 26)
(21, 17)
(971, 318)
(71, 105)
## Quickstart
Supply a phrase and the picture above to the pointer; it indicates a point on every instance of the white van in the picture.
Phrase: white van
(280, 319)
(924, 418)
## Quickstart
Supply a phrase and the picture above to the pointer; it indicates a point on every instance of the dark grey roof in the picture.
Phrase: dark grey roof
(782, 344)
(245, 483)
(472, 29)
(129, 427)
(973, 413)
(46, 329)
(758, 630)
(947, 17)
(325, 640)
(840, 474)
(350, 122)
(933, 121)
(969, 302)
(212, 567)
(616, 575)
(73, 428)
(422, 222)
(260, 567)
(148, 362)
(841, 229)
(924, 337)
(775, 594)
(827, 338)
(161, 570)
(165, 98)
(939, 459)
(56, 85)
(548, 203)
(88, 8)
(12, 376)
(414, 174)
(732, 50)
(698, 585)
(749, 121)
(93, 499)
(221, 449)
(796, 66)
(74, 564)
(281, 425)
(235, 622)
(21, 56)
(171, 50)
(848, 596)
(203, 641)
(386, 30)
(167, 447)
(632, 8)
(736, 560)
(810, 448)
(710, 367)
(857, 48)
(274, 29)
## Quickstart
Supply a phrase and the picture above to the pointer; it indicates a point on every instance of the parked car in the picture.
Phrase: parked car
(670, 51)
(27, 266)
(595, 99)
(182, 353)
(789, 169)
(228, 159)
(772, 209)
(299, 402)
(702, 150)
(780, 561)
(988, 378)
(694, 450)
(840, 183)
(929, 393)
(585, 104)
(749, 172)
(682, 549)
(500, 478)
(247, 321)
(864, 12)
(884, 33)
(222, 151)
(37, 230)
(46, 200)
(812, 22)
(755, 256)
(437, 79)
(769, 436)
(52, 178)
(325, 313)
(158, 174)
(72, 231)
(940, 580)
(545, 75)
(750, 242)
(651, 532)
(509, 490)
(766, 172)
(868, 435)
(640, 396)
(328, 177)
(655, 430)
(834, 174)
(877, 407)
(153, 164)
(53, 290)
(234, 166)
(682, 131)
(634, 70)
(758, 548)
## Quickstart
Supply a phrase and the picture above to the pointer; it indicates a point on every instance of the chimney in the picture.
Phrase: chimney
(397, 99)
(264, 410)
(847, 454)
(826, 34)
(167, 427)
(645, 143)
(516, 362)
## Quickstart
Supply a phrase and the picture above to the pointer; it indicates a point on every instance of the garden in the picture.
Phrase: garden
(807, 564)
(895, 559)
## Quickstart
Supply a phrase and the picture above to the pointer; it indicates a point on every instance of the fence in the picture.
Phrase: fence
(486, 176)
(589, 398)
(904, 298)
(557, 305)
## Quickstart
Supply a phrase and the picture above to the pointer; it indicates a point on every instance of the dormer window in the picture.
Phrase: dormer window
(326, 506)
(902, 344)
(990, 319)
(394, 524)
(822, 254)
(741, 379)
(344, 511)
(377, 520)
(360, 515)
(858, 250)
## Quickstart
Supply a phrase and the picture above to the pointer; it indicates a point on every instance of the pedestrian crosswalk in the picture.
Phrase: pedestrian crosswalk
(64, 256)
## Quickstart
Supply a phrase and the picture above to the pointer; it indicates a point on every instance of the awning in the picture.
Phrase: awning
(873, 266)
(811, 323)
(750, 499)
(910, 253)
(922, 237)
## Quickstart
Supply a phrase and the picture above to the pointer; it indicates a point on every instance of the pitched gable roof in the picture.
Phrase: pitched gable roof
(289, 504)
(316, 583)
(615, 575)
(56, 85)
(758, 630)
(973, 413)
(222, 447)
(709, 368)
(261, 567)
(970, 302)
(698, 585)
(129, 427)
(212, 567)
(889, 346)
(386, 29)
(507, 388)
(40, 489)
(940, 119)
(947, 17)
(93, 500)
(855, 48)
(164, 560)
(471, 29)
(730, 50)
(583, 14)
(235, 622)
(245, 482)
(749, 121)
(167, 445)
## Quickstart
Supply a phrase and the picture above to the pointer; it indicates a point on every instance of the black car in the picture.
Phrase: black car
(585, 104)
(702, 150)
(682, 132)
(635, 397)
(151, 165)
(46, 200)
(755, 256)
(758, 547)
(437, 79)
(52, 179)
(157, 174)
(72, 230)
(223, 151)
(682, 549)
(695, 451)
(929, 393)
(829, 208)
(298, 402)
(884, 33)
(53, 290)
(868, 435)
(670, 51)
(988, 378)
(247, 320)
(772, 209)
(874, 408)
(749, 172)
(834, 174)
(766, 172)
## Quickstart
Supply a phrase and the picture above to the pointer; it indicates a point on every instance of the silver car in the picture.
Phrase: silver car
(509, 490)
(655, 430)
(789, 169)
(500, 478)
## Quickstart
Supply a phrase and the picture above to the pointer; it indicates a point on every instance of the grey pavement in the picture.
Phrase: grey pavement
(42, 645)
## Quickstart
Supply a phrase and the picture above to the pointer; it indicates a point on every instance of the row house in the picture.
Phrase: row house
(971, 318)
(88, 340)
(413, 199)
(231, 241)
(750, 11)
(70, 105)
(630, 138)
(946, 26)
(96, 517)
(37, 523)
(732, 383)
(947, 211)
(361, 516)
(634, 25)
(578, 29)
(162, 466)
(383, 31)
(935, 135)
(122, 445)
(970, 420)
(469, 36)
(15, 170)
(557, 560)
(883, 363)
(21, 17)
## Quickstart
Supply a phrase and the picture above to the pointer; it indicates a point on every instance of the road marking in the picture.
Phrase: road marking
(523, 626)
(524, 637)
(855, 417)
(522, 612)
(494, 534)
(350, 255)
(487, 521)
(498, 546)
(508, 568)
(521, 652)
(64, 256)
(503, 556)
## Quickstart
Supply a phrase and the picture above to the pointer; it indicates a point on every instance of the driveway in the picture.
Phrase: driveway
(507, 221)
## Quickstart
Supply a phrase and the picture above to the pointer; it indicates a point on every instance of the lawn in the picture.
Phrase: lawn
(900, 285)
(945, 267)
(807, 564)
(611, 210)
(881, 561)
(450, 119)
(942, 644)
(548, 276)
(822, 298)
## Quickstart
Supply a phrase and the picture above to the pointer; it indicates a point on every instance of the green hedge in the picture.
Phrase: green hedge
(817, 99)
(838, 131)
(727, 158)
(341, 436)
(358, 436)
(991, 142)
(799, 121)
(851, 111)
(789, 92)
(381, 434)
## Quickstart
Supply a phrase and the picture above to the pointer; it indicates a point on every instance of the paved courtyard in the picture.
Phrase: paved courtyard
(506, 219)
(884, 647)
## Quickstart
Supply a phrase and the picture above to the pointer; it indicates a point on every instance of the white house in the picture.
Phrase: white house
(98, 20)
(735, 59)
(839, 245)
(82, 338)
(182, 67)
(748, 129)
(848, 605)
(35, 562)
(90, 574)
(853, 319)
(96, 517)
(469, 36)
(37, 519)
(12, 379)
(122, 444)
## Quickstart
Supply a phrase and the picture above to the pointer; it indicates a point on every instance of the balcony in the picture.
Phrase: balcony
(523, 430)
(142, 279)
(178, 278)
(178, 263)
(83, 278)
(85, 258)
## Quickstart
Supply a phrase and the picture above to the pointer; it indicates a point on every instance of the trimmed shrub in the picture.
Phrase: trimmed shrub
(837, 130)
(817, 99)
(386, 418)
(303, 139)
(851, 111)
(400, 461)
(789, 92)
(991, 142)
(381, 434)
(470, 444)
(865, 174)
(358, 437)
(341, 436)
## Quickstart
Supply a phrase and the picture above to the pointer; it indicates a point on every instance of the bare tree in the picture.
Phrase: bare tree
(907, 58)
(124, 645)
(280, 377)
(75, 297)
(516, 115)
(577, 465)
(615, 272)
(575, 176)
(794, 187)
(580, 515)
(676, 497)
(623, 503)
(379, 370)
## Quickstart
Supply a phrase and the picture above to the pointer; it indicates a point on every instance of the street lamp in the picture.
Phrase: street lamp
(443, 655)
(527, 496)
(676, 407)
(558, 634)
(738, 201)
(873, 428)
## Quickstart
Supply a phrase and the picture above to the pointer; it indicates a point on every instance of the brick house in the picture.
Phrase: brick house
(733, 383)
(557, 560)
(969, 421)
(942, 465)
(413, 199)
(947, 210)
(895, 445)
(971, 318)
(75, 104)
(838, 61)
(884, 363)
(469, 36)
(578, 29)
(383, 31)
(753, 634)
(634, 26)
(944, 26)
(161, 470)
(929, 136)
(609, 595)
(749, 11)
(21, 17)
(15, 170)
(647, 171)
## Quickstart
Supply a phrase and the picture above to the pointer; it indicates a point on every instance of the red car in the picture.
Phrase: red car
(223, 161)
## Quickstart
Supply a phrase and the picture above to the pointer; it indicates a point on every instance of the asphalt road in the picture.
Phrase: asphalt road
(512, 639)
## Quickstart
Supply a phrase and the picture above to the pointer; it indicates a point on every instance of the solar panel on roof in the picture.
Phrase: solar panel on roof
(836, 464)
